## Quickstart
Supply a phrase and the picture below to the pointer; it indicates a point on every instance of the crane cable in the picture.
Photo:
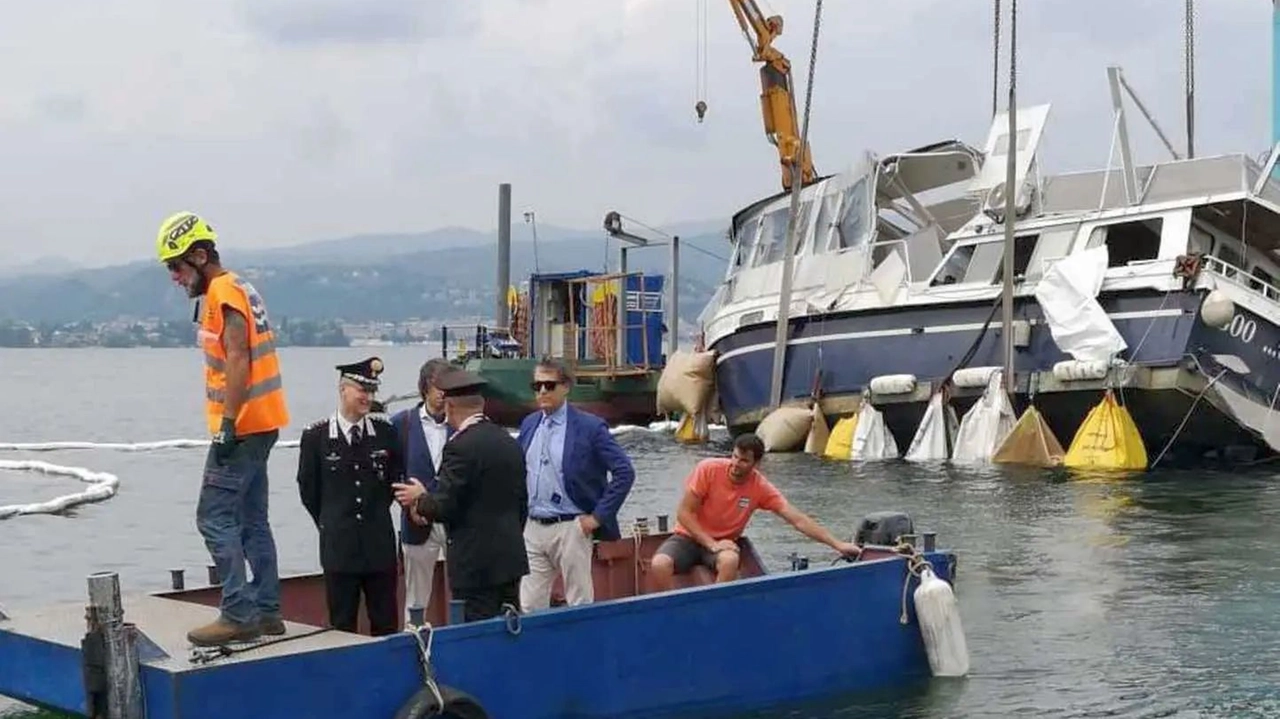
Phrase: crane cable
(995, 62)
(700, 65)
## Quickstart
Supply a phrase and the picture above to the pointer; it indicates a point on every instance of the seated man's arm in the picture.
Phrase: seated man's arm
(807, 526)
(687, 515)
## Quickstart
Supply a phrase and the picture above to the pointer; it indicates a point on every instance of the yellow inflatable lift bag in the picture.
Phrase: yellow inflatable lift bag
(840, 441)
(1108, 439)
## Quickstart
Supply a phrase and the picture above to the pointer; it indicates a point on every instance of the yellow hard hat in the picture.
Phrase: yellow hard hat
(178, 232)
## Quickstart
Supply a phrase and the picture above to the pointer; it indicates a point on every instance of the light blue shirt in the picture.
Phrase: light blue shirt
(544, 463)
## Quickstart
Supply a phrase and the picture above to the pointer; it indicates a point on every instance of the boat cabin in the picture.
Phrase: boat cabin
(578, 316)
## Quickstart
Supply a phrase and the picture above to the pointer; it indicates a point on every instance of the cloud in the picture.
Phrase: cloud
(288, 120)
(308, 22)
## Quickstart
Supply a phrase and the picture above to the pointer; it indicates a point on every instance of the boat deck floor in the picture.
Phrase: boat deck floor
(163, 624)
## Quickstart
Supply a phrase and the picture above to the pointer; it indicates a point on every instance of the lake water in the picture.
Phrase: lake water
(1081, 597)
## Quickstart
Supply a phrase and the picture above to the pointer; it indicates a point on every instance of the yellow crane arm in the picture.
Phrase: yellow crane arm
(777, 103)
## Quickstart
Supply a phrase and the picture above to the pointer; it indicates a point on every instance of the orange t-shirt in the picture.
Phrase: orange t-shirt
(726, 506)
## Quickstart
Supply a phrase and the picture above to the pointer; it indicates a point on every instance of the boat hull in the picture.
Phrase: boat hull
(718, 649)
(1170, 353)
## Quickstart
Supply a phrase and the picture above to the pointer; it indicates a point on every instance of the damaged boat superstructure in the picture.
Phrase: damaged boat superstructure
(1157, 282)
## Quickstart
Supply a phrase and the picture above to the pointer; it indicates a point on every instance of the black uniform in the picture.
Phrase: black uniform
(483, 501)
(346, 488)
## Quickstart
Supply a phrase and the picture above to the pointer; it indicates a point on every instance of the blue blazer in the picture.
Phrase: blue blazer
(591, 454)
(417, 463)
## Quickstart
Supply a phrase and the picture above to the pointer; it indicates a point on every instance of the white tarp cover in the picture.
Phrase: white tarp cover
(937, 431)
(872, 439)
(986, 425)
(1067, 295)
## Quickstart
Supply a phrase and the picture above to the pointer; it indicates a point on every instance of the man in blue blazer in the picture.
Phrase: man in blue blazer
(578, 477)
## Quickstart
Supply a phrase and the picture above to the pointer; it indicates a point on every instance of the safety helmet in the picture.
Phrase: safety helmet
(178, 232)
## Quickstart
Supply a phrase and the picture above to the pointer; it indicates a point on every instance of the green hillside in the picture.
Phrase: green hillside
(384, 277)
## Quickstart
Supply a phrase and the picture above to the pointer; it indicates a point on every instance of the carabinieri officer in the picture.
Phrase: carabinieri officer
(346, 465)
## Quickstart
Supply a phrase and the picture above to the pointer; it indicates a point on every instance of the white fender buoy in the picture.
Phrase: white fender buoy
(1217, 310)
(940, 627)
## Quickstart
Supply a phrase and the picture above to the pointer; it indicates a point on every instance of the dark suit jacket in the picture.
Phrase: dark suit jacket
(591, 454)
(347, 491)
(482, 500)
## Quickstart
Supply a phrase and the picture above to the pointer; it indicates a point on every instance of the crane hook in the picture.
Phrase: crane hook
(701, 108)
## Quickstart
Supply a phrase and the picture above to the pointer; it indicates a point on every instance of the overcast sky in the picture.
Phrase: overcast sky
(288, 120)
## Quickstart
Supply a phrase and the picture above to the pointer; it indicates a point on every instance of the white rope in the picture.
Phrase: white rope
(102, 486)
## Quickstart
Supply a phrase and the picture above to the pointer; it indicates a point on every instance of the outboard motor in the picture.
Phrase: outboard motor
(884, 528)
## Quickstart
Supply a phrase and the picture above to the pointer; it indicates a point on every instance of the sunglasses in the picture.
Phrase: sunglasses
(547, 384)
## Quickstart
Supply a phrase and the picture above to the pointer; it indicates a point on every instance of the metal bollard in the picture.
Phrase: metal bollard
(662, 522)
(640, 527)
(457, 615)
(119, 640)
(176, 579)
(416, 615)
(214, 579)
(930, 541)
(909, 540)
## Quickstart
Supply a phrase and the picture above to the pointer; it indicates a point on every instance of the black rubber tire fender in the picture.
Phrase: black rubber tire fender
(457, 705)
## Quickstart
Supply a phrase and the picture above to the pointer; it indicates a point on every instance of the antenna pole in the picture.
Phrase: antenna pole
(1189, 61)
(1010, 195)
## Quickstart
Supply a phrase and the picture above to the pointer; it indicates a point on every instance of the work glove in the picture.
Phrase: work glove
(224, 442)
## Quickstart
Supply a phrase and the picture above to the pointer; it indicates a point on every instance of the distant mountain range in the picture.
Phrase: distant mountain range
(442, 274)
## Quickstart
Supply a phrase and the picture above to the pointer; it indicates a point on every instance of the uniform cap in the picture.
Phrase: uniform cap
(364, 372)
(459, 382)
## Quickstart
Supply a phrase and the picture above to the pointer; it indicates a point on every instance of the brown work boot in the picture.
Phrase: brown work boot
(273, 625)
(221, 632)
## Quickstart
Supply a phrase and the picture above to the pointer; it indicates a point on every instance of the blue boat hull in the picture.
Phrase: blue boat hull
(849, 349)
(710, 651)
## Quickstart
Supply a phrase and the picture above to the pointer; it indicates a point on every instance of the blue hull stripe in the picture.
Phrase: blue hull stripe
(929, 342)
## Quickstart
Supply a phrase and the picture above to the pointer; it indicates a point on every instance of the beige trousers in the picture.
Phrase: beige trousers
(420, 569)
(556, 548)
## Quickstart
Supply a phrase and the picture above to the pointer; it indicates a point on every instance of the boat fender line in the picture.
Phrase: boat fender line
(937, 614)
(893, 384)
(435, 699)
(205, 655)
(974, 376)
(1080, 370)
(511, 617)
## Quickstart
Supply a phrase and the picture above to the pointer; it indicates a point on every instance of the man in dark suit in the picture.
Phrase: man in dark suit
(480, 497)
(578, 477)
(347, 464)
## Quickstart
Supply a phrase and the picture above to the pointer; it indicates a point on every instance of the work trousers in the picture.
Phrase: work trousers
(231, 516)
(343, 591)
(559, 548)
(420, 569)
(486, 602)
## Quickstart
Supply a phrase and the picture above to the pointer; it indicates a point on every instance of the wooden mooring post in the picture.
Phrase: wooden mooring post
(113, 678)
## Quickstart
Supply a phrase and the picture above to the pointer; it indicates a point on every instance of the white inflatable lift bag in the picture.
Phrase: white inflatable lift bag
(986, 425)
(936, 427)
(872, 439)
(940, 627)
(1067, 295)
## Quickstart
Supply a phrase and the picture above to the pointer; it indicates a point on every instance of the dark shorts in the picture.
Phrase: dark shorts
(685, 553)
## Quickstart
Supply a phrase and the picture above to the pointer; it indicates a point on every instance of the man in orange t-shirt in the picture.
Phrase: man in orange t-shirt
(719, 499)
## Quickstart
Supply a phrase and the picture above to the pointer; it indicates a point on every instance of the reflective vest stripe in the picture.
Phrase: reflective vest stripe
(258, 389)
(262, 351)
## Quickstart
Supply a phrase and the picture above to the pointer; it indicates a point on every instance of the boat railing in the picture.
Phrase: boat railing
(1240, 278)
